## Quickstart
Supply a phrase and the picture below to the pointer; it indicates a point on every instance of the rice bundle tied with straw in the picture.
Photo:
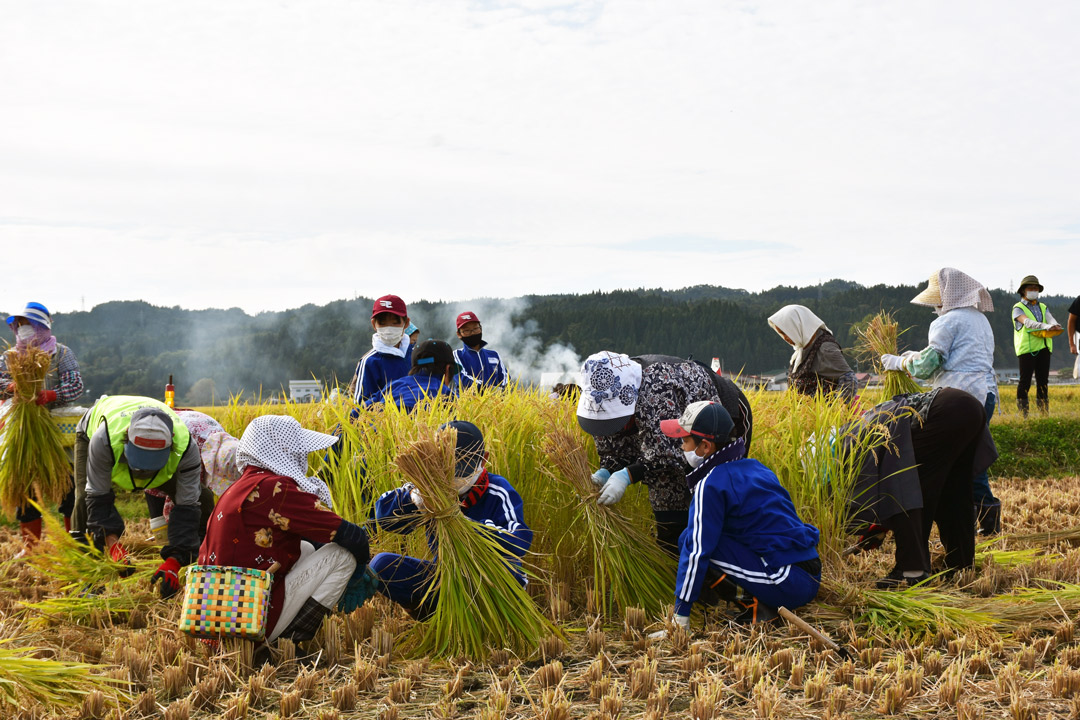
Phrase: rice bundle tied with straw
(878, 338)
(629, 569)
(481, 606)
(32, 459)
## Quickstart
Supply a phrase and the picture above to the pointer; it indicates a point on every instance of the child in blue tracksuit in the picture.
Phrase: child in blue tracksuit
(486, 499)
(390, 356)
(432, 374)
(744, 532)
(479, 366)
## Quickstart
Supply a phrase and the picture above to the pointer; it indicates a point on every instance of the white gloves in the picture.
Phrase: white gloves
(892, 362)
(601, 476)
(614, 488)
(682, 621)
(418, 501)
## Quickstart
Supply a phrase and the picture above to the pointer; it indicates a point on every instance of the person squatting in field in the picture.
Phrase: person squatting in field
(938, 441)
(389, 356)
(486, 499)
(959, 354)
(745, 542)
(275, 513)
(622, 403)
(63, 386)
(136, 443)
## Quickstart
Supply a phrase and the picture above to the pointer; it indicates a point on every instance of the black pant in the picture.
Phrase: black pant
(669, 526)
(1039, 364)
(28, 513)
(945, 447)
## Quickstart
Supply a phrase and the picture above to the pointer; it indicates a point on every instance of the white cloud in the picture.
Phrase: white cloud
(267, 155)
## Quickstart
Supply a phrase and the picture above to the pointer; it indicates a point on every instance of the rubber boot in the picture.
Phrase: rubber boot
(307, 621)
(67, 524)
(31, 534)
(989, 518)
(755, 612)
(718, 588)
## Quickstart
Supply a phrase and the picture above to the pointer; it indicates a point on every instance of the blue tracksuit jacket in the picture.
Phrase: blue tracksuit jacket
(407, 391)
(500, 507)
(376, 370)
(742, 520)
(481, 367)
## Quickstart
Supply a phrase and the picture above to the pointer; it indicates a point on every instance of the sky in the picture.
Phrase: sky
(267, 154)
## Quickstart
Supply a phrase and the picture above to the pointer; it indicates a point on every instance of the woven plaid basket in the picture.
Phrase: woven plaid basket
(222, 601)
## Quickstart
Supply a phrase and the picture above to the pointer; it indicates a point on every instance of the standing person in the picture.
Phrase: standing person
(63, 386)
(743, 528)
(479, 366)
(622, 403)
(486, 499)
(818, 364)
(1074, 333)
(413, 333)
(134, 444)
(959, 354)
(276, 513)
(389, 357)
(1033, 330)
(432, 374)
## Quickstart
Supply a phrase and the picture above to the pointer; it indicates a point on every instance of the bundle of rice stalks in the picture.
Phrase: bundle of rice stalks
(50, 684)
(32, 459)
(628, 568)
(878, 338)
(481, 605)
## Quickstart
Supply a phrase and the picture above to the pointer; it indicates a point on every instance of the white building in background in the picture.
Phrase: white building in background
(305, 390)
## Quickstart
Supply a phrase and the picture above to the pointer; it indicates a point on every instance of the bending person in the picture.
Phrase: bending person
(818, 364)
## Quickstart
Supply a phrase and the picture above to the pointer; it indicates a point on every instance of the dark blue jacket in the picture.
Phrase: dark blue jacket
(499, 508)
(481, 367)
(407, 391)
(376, 370)
(739, 502)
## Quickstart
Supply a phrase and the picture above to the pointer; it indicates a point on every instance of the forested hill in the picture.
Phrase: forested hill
(132, 347)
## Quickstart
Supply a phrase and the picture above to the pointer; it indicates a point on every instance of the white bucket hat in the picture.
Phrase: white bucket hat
(610, 383)
(278, 443)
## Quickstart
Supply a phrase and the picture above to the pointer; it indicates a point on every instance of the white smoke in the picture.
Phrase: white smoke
(518, 344)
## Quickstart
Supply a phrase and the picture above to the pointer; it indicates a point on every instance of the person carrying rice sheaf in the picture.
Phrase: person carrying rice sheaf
(745, 542)
(486, 498)
(817, 363)
(923, 475)
(622, 403)
(275, 513)
(389, 357)
(63, 386)
(959, 354)
(134, 444)
(432, 374)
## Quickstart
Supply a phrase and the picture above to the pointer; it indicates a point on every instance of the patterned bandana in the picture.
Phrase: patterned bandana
(277, 443)
(954, 289)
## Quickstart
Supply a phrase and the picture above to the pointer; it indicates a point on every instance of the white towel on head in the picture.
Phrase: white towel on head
(800, 324)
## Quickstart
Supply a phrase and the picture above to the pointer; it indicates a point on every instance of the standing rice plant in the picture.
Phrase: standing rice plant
(878, 338)
(628, 568)
(481, 604)
(32, 459)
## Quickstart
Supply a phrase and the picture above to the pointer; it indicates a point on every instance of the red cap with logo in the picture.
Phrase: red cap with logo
(389, 304)
(466, 317)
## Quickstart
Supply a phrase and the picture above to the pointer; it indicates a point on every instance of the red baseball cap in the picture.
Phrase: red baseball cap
(389, 304)
(466, 317)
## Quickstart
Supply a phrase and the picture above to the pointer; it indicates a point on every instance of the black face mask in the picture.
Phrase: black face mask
(474, 341)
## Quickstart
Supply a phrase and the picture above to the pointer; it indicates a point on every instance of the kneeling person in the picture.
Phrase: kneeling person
(276, 514)
(744, 531)
(486, 499)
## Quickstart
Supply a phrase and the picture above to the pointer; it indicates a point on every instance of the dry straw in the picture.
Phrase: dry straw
(878, 338)
(32, 459)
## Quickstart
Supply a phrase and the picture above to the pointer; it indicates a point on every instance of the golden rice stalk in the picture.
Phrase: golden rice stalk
(628, 568)
(32, 460)
(49, 683)
(481, 605)
(878, 338)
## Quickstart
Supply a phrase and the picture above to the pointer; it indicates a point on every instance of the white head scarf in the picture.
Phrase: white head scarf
(278, 443)
(951, 289)
(800, 324)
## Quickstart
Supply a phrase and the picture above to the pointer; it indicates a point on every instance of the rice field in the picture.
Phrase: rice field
(999, 641)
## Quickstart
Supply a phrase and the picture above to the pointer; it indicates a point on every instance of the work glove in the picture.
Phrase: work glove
(45, 397)
(9, 389)
(417, 499)
(601, 476)
(119, 554)
(892, 362)
(614, 488)
(363, 584)
(168, 573)
(682, 621)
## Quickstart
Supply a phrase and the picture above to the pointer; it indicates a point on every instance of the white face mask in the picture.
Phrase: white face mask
(25, 332)
(692, 458)
(1032, 294)
(390, 334)
(464, 484)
